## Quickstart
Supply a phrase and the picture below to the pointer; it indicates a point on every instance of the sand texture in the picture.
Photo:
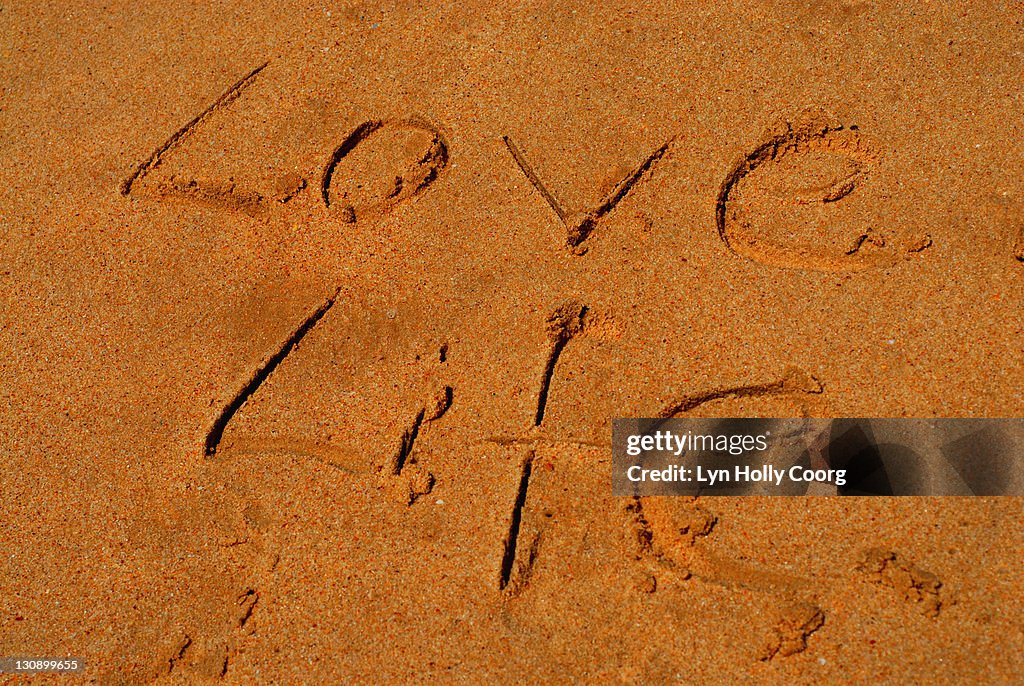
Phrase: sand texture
(314, 318)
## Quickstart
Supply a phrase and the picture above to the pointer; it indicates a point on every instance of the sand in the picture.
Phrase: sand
(314, 319)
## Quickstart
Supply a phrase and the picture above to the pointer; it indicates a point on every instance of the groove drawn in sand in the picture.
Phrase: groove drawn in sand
(679, 559)
(377, 166)
(511, 542)
(179, 136)
(219, 193)
(380, 165)
(339, 458)
(562, 325)
(581, 224)
(402, 473)
(669, 534)
(179, 653)
(794, 381)
(405, 447)
(697, 523)
(404, 476)
(262, 372)
(787, 203)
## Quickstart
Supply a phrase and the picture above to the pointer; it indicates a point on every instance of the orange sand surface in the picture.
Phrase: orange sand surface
(296, 300)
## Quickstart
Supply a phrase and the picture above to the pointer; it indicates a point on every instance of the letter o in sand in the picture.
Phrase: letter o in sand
(381, 164)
